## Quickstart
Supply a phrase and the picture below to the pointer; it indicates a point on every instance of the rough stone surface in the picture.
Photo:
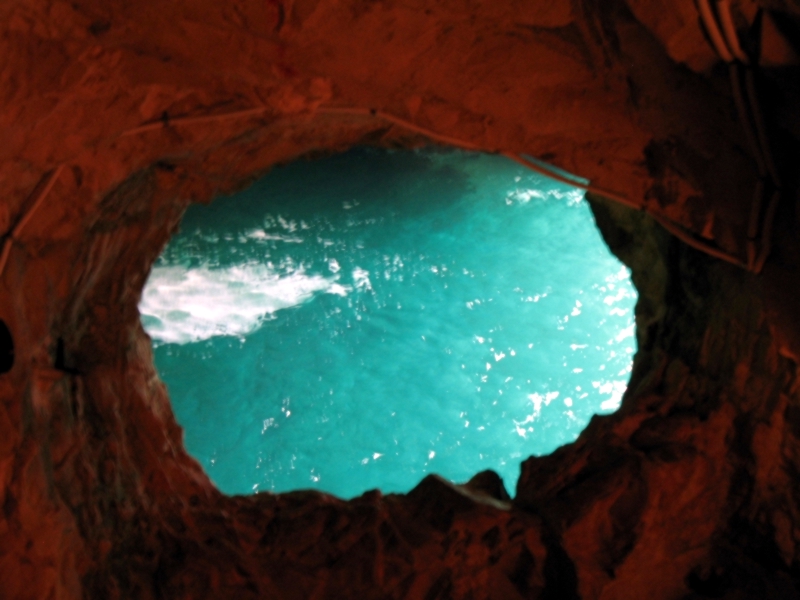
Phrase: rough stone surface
(118, 114)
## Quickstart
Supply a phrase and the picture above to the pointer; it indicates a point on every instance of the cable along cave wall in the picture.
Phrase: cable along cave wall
(115, 117)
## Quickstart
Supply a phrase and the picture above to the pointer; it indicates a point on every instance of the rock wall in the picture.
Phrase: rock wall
(116, 115)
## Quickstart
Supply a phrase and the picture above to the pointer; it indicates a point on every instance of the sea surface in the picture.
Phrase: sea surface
(360, 321)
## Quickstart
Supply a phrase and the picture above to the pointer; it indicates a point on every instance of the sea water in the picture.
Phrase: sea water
(361, 321)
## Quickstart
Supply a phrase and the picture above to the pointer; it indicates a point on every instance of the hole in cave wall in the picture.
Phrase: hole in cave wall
(361, 321)
(6, 348)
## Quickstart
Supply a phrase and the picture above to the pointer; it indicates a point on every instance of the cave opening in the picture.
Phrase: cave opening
(360, 321)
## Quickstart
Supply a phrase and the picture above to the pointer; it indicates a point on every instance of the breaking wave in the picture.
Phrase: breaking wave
(181, 305)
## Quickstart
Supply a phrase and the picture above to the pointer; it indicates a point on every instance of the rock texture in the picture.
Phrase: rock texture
(115, 115)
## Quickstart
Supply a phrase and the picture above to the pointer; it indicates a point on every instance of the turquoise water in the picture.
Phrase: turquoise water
(361, 321)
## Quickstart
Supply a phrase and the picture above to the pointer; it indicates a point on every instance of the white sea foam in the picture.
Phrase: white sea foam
(181, 305)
